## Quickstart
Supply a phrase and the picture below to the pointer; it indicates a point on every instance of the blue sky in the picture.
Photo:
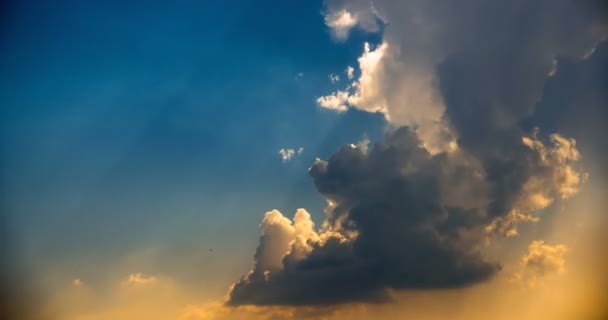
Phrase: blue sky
(127, 126)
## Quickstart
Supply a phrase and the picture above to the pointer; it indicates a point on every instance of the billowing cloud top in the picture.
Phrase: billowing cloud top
(456, 169)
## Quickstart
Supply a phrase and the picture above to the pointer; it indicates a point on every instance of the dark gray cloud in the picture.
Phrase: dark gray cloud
(398, 218)
(391, 197)
(493, 85)
(575, 102)
(401, 215)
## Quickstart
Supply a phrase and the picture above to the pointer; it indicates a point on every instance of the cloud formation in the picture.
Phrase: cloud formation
(456, 168)
(541, 261)
(489, 59)
(288, 154)
(544, 258)
(397, 217)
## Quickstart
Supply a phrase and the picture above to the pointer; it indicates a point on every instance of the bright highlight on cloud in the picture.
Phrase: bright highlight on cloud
(457, 169)
(377, 90)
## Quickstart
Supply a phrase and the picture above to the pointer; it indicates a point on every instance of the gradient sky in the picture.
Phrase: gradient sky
(144, 138)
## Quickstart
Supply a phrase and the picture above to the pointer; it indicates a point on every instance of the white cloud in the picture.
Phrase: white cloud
(406, 95)
(340, 23)
(350, 72)
(288, 154)
(336, 101)
(334, 78)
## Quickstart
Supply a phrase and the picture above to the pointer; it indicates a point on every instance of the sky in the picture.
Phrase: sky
(338, 159)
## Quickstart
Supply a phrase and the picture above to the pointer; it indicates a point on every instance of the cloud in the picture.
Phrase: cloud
(334, 78)
(398, 217)
(139, 279)
(574, 101)
(341, 23)
(77, 282)
(541, 261)
(465, 61)
(288, 154)
(545, 259)
(342, 20)
(350, 72)
(336, 101)
(377, 90)
(456, 169)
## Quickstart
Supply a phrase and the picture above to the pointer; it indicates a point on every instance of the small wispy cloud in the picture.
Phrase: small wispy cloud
(337, 101)
(541, 261)
(334, 78)
(139, 279)
(350, 72)
(288, 154)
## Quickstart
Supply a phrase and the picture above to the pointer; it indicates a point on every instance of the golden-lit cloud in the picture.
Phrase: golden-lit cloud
(544, 258)
(541, 262)
(139, 279)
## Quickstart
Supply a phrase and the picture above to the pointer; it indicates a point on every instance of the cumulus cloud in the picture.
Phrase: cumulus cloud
(465, 52)
(377, 90)
(544, 258)
(288, 154)
(541, 261)
(398, 217)
(455, 170)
